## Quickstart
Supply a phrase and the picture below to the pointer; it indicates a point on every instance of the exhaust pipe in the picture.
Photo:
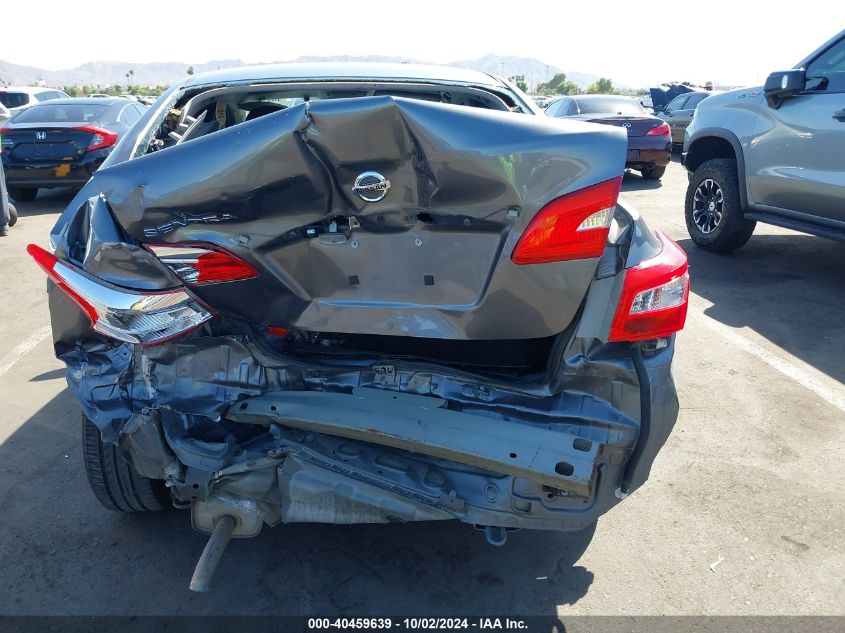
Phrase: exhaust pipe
(213, 553)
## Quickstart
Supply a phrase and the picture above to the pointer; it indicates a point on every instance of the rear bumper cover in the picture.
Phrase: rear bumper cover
(646, 151)
(51, 174)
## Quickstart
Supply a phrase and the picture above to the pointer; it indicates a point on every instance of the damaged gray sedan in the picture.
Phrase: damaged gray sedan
(364, 294)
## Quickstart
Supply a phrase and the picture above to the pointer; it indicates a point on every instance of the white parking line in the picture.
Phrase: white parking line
(23, 348)
(835, 396)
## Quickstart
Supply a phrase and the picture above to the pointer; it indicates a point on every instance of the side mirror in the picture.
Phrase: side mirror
(667, 111)
(782, 85)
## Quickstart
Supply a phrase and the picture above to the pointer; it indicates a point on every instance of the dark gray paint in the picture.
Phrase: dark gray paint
(253, 188)
(174, 408)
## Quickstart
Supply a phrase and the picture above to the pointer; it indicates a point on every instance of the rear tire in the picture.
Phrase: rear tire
(653, 173)
(713, 207)
(13, 215)
(22, 194)
(114, 481)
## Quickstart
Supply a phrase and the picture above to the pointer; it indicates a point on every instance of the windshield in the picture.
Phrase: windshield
(60, 113)
(610, 105)
(14, 99)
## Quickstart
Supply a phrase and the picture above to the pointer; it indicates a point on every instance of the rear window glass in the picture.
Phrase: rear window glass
(609, 105)
(14, 99)
(59, 113)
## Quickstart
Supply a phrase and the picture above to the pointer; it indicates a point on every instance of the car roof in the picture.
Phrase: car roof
(366, 71)
(29, 89)
(601, 96)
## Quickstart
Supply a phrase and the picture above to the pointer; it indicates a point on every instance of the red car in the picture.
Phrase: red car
(649, 138)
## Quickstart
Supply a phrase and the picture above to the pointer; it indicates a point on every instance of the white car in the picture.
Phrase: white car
(4, 112)
(17, 98)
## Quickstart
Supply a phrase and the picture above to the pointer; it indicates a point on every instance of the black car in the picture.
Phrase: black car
(649, 138)
(60, 143)
(364, 293)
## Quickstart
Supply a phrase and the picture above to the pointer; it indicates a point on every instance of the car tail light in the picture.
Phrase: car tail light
(101, 139)
(660, 130)
(200, 265)
(574, 226)
(144, 318)
(654, 296)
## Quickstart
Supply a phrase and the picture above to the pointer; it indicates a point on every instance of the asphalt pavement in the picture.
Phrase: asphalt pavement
(744, 512)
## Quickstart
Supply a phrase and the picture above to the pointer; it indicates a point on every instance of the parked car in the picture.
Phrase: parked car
(4, 112)
(19, 98)
(679, 112)
(411, 296)
(649, 140)
(663, 94)
(770, 154)
(62, 142)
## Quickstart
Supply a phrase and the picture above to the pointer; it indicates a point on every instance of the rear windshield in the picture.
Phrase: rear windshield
(60, 113)
(609, 105)
(14, 99)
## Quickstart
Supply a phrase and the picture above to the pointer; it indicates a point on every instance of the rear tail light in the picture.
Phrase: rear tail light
(200, 265)
(101, 139)
(135, 317)
(654, 296)
(659, 130)
(574, 226)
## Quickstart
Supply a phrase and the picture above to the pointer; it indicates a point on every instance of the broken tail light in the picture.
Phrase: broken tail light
(574, 226)
(101, 138)
(654, 297)
(200, 265)
(144, 318)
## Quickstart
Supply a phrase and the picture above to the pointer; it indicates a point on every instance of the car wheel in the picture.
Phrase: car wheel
(713, 208)
(22, 194)
(13, 215)
(114, 481)
(653, 172)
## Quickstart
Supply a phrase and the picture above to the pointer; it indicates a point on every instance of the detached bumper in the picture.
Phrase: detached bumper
(267, 439)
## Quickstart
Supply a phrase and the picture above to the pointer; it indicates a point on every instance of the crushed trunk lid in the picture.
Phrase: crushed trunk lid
(422, 248)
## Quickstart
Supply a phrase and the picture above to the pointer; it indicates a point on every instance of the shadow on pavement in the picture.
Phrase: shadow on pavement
(48, 201)
(635, 182)
(49, 375)
(790, 289)
(61, 553)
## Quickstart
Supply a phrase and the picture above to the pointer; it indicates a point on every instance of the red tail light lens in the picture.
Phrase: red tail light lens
(201, 265)
(102, 138)
(659, 130)
(654, 296)
(145, 318)
(574, 226)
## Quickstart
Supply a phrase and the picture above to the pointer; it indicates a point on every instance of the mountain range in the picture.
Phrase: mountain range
(104, 74)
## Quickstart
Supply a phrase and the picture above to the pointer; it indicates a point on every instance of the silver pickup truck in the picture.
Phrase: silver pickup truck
(770, 154)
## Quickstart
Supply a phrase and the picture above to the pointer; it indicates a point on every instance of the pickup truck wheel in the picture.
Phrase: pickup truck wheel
(13, 215)
(22, 194)
(713, 208)
(114, 481)
(653, 172)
